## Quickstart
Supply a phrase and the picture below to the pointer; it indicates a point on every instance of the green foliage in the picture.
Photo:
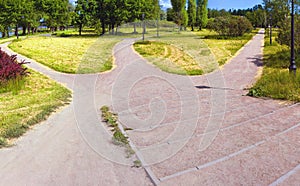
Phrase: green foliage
(230, 26)
(277, 84)
(178, 7)
(3, 142)
(284, 34)
(202, 14)
(137, 163)
(112, 120)
(119, 136)
(28, 13)
(278, 10)
(191, 13)
(257, 18)
(276, 81)
(36, 99)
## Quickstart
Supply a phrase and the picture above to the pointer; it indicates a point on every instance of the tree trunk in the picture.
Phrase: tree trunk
(24, 30)
(16, 31)
(103, 26)
(113, 29)
(28, 29)
(134, 28)
(80, 29)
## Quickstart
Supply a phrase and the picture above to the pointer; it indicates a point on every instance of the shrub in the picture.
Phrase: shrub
(10, 68)
(230, 25)
(284, 35)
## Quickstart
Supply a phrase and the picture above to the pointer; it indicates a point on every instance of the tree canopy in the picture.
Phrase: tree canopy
(55, 14)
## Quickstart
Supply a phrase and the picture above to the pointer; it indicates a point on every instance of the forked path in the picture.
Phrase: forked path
(186, 131)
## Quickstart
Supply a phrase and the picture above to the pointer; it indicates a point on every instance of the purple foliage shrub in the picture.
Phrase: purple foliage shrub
(10, 68)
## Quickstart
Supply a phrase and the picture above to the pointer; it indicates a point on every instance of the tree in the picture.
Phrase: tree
(230, 25)
(191, 13)
(202, 14)
(83, 13)
(170, 14)
(178, 7)
(277, 10)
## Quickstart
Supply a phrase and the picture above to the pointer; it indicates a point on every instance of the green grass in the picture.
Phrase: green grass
(70, 54)
(224, 48)
(10, 39)
(171, 58)
(36, 99)
(276, 81)
(179, 52)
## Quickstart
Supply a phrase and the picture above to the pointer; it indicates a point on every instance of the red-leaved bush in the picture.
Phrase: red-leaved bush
(10, 68)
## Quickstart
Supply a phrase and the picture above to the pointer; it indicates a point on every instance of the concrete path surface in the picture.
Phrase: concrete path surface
(199, 130)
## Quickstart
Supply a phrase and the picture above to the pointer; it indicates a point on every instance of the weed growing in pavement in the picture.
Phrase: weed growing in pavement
(137, 163)
(111, 119)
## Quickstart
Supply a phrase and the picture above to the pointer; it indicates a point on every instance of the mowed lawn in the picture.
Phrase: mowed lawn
(69, 54)
(37, 98)
(178, 52)
(224, 48)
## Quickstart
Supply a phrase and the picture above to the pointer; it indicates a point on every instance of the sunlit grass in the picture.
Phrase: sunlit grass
(33, 102)
(180, 53)
(224, 48)
(276, 81)
(69, 54)
(169, 58)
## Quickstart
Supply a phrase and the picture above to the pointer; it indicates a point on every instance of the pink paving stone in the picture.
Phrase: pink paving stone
(291, 180)
(226, 142)
(257, 166)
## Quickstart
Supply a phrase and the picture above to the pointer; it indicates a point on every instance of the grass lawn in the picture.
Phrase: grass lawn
(38, 97)
(5, 40)
(276, 81)
(178, 52)
(69, 54)
(224, 48)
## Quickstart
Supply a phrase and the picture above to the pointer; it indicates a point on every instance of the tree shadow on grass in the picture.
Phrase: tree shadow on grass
(279, 60)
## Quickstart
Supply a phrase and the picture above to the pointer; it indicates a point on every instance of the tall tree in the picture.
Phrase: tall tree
(83, 13)
(191, 13)
(178, 8)
(202, 13)
(277, 10)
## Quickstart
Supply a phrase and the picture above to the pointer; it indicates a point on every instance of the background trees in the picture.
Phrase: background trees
(178, 7)
(192, 13)
(58, 14)
(230, 25)
(202, 14)
(28, 14)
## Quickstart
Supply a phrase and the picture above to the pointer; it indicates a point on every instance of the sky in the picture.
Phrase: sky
(223, 4)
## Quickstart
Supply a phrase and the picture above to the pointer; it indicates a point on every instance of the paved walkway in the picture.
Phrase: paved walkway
(186, 131)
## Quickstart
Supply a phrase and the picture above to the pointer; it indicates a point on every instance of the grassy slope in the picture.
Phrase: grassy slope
(69, 54)
(33, 103)
(276, 81)
(181, 53)
(224, 48)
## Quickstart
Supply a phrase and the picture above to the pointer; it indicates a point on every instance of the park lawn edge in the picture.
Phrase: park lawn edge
(60, 97)
(86, 61)
(276, 82)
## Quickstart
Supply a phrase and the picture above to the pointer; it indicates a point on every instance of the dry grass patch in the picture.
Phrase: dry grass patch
(69, 54)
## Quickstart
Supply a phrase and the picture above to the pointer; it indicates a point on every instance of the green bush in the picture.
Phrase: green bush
(232, 26)
(284, 35)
